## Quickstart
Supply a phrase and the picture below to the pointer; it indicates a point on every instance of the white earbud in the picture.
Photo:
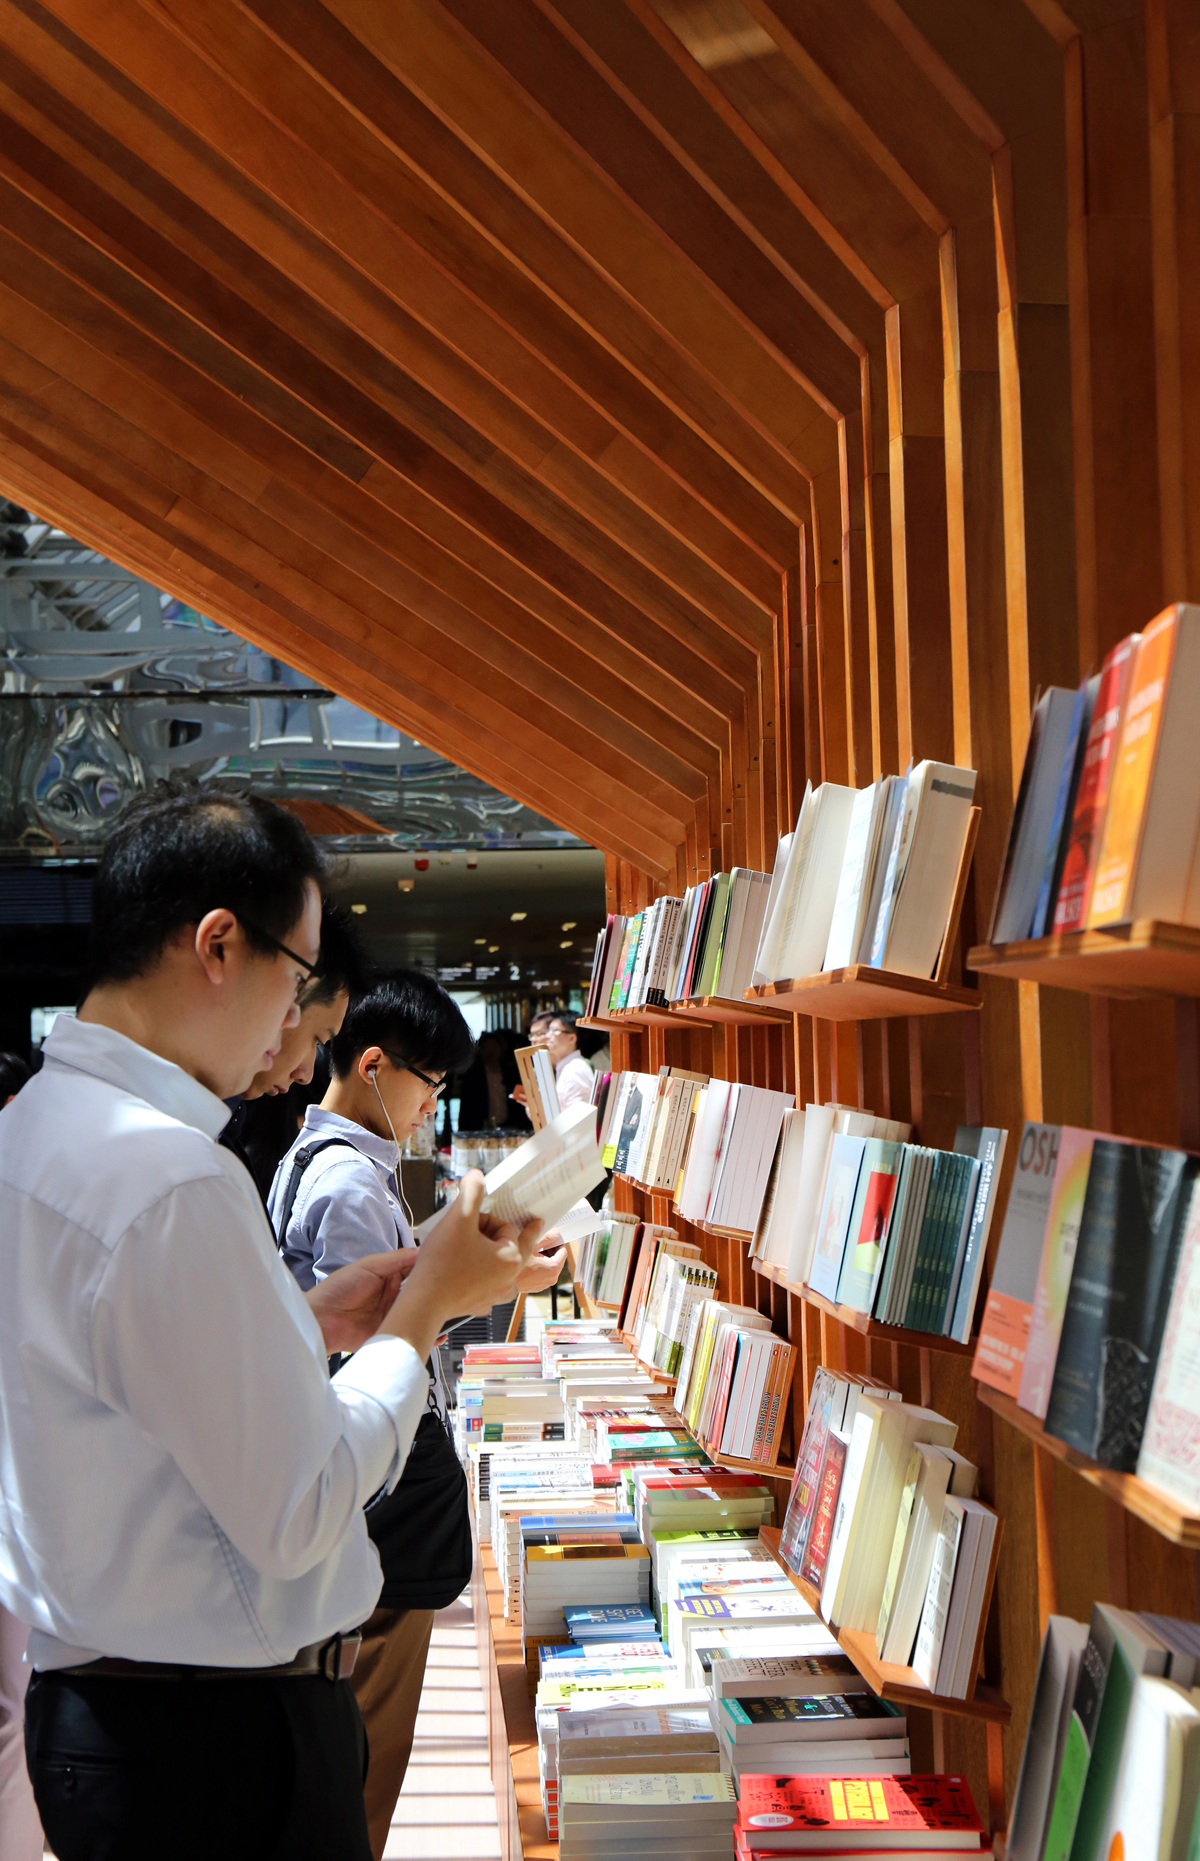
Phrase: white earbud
(408, 1215)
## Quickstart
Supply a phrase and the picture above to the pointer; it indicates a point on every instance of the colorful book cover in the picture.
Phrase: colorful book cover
(873, 1204)
(829, 1485)
(1064, 802)
(1133, 768)
(1004, 1329)
(909, 1807)
(1091, 799)
(1054, 1273)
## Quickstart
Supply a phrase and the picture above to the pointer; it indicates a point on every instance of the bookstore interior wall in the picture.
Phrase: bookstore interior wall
(656, 406)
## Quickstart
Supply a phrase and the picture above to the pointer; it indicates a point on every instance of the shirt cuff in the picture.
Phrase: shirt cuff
(383, 1390)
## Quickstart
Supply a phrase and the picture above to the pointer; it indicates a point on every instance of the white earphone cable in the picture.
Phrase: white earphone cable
(408, 1216)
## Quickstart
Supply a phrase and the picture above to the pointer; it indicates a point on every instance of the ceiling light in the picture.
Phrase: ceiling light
(492, 948)
(565, 946)
(570, 926)
(517, 916)
(481, 939)
(358, 910)
(405, 885)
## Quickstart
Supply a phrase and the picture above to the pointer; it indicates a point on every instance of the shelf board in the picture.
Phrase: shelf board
(1141, 959)
(606, 1022)
(660, 1376)
(863, 994)
(711, 1008)
(1155, 1508)
(899, 1684)
(862, 1322)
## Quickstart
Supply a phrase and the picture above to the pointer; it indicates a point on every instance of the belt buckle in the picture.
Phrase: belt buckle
(335, 1661)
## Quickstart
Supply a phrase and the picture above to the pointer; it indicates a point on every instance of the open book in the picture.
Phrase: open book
(544, 1178)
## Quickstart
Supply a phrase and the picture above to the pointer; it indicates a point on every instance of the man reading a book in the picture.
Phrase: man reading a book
(338, 1195)
(181, 1483)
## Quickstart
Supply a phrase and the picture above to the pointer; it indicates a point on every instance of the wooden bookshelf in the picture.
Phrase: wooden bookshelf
(890, 1681)
(1157, 1509)
(715, 1008)
(512, 1726)
(864, 994)
(1143, 958)
(862, 1322)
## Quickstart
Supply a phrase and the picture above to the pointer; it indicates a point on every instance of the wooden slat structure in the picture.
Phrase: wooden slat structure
(652, 405)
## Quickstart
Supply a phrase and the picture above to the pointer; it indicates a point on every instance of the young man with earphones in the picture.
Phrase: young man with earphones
(339, 1195)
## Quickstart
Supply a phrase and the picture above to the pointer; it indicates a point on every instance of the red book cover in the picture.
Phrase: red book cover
(869, 1812)
(1091, 799)
(825, 1510)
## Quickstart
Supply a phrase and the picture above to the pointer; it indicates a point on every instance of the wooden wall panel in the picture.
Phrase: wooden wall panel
(656, 406)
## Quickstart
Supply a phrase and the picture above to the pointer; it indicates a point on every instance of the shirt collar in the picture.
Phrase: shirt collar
(332, 1124)
(87, 1047)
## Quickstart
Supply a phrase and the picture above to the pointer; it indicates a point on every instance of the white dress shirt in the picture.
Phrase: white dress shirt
(179, 1478)
(574, 1081)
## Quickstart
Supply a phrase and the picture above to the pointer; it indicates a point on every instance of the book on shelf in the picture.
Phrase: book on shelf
(777, 1216)
(1147, 866)
(801, 1814)
(1124, 1269)
(933, 1474)
(923, 869)
(795, 939)
(947, 1639)
(1082, 848)
(1041, 1759)
(1073, 1161)
(860, 860)
(734, 1381)
(1029, 833)
(1069, 776)
(1169, 1456)
(756, 1720)
(1008, 1309)
(831, 1405)
(869, 1503)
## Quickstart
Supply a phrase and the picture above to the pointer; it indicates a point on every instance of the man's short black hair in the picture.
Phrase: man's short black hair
(181, 851)
(344, 962)
(14, 1073)
(566, 1019)
(411, 1017)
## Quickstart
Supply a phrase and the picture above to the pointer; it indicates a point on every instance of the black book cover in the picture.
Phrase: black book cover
(1129, 1236)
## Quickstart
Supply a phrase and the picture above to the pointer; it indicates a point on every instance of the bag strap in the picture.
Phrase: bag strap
(300, 1163)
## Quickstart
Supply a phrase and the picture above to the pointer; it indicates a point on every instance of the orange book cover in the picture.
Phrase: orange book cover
(1132, 772)
(1091, 801)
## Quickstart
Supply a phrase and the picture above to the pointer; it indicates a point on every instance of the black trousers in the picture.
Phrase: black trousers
(244, 1770)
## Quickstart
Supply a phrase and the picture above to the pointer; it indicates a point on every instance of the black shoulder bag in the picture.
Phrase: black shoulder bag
(422, 1529)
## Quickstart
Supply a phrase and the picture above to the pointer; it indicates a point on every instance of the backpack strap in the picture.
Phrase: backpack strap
(300, 1163)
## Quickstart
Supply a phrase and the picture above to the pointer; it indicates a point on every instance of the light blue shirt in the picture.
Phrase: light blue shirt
(346, 1200)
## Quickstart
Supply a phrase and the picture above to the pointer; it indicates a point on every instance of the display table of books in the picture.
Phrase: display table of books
(658, 1683)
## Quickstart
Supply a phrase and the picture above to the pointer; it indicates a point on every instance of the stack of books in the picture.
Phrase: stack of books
(1108, 809)
(658, 1813)
(867, 1815)
(1097, 1340)
(892, 1229)
(1111, 1764)
(819, 1735)
(584, 1562)
(528, 1467)
(510, 1510)
(882, 1522)
(733, 1384)
(734, 1138)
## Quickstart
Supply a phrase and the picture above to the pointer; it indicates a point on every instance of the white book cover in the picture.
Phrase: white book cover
(853, 892)
(894, 789)
(1170, 1452)
(546, 1176)
(704, 1149)
(860, 1442)
(736, 984)
(768, 943)
(806, 924)
(924, 890)
(932, 1631)
(818, 1136)
(1153, 1797)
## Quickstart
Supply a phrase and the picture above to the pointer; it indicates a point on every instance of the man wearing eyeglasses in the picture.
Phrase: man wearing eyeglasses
(181, 1483)
(339, 1195)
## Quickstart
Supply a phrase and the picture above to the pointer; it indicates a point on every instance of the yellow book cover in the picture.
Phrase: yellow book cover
(1131, 776)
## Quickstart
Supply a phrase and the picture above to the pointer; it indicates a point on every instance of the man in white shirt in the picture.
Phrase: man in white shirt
(181, 1483)
(573, 1077)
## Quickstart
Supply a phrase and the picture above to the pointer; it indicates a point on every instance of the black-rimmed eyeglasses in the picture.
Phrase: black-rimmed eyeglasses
(435, 1087)
(312, 971)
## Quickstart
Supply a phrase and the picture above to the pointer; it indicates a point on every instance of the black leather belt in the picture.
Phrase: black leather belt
(331, 1660)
